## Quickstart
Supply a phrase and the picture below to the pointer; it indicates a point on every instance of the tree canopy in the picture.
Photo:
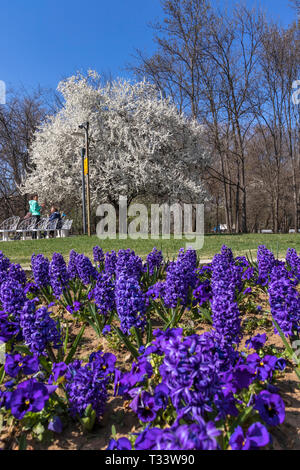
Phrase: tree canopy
(140, 145)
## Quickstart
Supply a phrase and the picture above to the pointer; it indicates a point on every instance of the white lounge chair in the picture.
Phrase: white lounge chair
(51, 226)
(25, 227)
(65, 228)
(9, 226)
(41, 227)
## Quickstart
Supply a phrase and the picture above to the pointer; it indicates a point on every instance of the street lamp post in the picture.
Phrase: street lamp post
(83, 191)
(86, 204)
(86, 127)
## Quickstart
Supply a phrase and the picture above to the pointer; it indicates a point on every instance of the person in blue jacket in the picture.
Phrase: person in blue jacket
(54, 214)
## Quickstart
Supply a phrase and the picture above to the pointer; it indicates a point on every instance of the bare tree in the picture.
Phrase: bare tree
(19, 119)
(277, 118)
(206, 60)
(181, 40)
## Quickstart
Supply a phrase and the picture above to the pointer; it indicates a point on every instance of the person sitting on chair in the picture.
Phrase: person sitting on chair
(54, 214)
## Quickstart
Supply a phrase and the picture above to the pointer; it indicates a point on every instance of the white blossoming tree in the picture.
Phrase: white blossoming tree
(140, 145)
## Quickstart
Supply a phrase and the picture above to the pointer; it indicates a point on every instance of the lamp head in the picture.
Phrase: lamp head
(85, 125)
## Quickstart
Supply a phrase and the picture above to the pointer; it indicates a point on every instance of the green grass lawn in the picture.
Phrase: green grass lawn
(21, 251)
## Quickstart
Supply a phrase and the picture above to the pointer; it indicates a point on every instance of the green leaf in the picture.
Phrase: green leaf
(22, 441)
(179, 315)
(158, 311)
(59, 400)
(114, 431)
(22, 349)
(74, 346)
(175, 316)
(206, 314)
(126, 341)
(88, 410)
(45, 364)
(38, 429)
(284, 340)
(95, 320)
(93, 325)
(138, 337)
(2, 374)
(149, 330)
(66, 340)
(241, 419)
(89, 419)
(288, 348)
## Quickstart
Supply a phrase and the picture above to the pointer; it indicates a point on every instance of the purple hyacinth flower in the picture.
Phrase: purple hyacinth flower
(58, 272)
(40, 269)
(86, 271)
(16, 273)
(39, 329)
(154, 261)
(72, 266)
(104, 294)
(4, 267)
(284, 301)
(130, 303)
(12, 297)
(98, 255)
(110, 262)
(87, 385)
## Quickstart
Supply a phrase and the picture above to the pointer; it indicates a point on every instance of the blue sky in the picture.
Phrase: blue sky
(42, 41)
